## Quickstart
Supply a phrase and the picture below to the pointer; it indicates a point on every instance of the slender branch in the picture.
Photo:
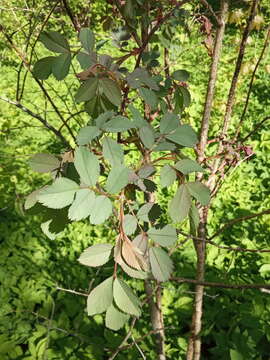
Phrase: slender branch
(212, 81)
(266, 43)
(38, 117)
(221, 285)
(71, 16)
(256, 128)
(71, 291)
(235, 221)
(209, 7)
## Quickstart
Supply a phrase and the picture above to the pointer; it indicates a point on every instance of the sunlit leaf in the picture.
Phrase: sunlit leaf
(168, 123)
(200, 192)
(102, 209)
(161, 264)
(115, 319)
(180, 204)
(101, 297)
(125, 299)
(130, 224)
(96, 255)
(186, 166)
(87, 134)
(82, 205)
(87, 165)
(165, 237)
(44, 163)
(117, 179)
(112, 151)
(184, 135)
(58, 195)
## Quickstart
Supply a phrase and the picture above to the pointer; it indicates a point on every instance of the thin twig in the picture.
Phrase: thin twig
(220, 285)
(71, 291)
(71, 16)
(209, 7)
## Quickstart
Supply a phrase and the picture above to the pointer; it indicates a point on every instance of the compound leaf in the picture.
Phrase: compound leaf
(117, 179)
(54, 41)
(87, 39)
(115, 319)
(96, 255)
(87, 90)
(125, 299)
(161, 264)
(101, 210)
(87, 166)
(165, 237)
(61, 65)
(112, 91)
(101, 297)
(43, 68)
(82, 205)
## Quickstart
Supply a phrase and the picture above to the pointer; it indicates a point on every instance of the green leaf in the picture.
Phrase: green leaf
(138, 119)
(235, 355)
(125, 299)
(167, 176)
(180, 204)
(149, 97)
(54, 42)
(82, 205)
(44, 163)
(117, 179)
(193, 219)
(115, 319)
(180, 75)
(43, 68)
(87, 39)
(186, 99)
(86, 60)
(61, 65)
(87, 166)
(165, 237)
(147, 136)
(103, 118)
(31, 199)
(96, 255)
(100, 298)
(45, 227)
(184, 135)
(164, 146)
(137, 274)
(186, 166)
(87, 134)
(117, 124)
(112, 91)
(87, 90)
(58, 195)
(102, 209)
(130, 224)
(146, 171)
(168, 123)
(112, 151)
(161, 264)
(200, 192)
(144, 211)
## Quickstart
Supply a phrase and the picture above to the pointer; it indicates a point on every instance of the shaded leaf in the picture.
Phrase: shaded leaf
(149, 97)
(167, 176)
(164, 146)
(137, 274)
(61, 65)
(180, 204)
(96, 255)
(186, 166)
(43, 68)
(165, 237)
(112, 91)
(138, 119)
(112, 151)
(54, 41)
(125, 299)
(103, 118)
(86, 60)
(87, 39)
(102, 209)
(117, 179)
(161, 264)
(87, 90)
(82, 205)
(87, 134)
(168, 123)
(115, 319)
(101, 297)
(147, 136)
(58, 195)
(45, 227)
(184, 135)
(44, 163)
(180, 75)
(130, 224)
(146, 171)
(87, 166)
(200, 192)
(141, 242)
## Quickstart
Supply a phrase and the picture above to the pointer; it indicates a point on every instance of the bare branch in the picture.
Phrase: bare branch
(38, 117)
(209, 7)
(71, 291)
(221, 285)
(71, 16)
